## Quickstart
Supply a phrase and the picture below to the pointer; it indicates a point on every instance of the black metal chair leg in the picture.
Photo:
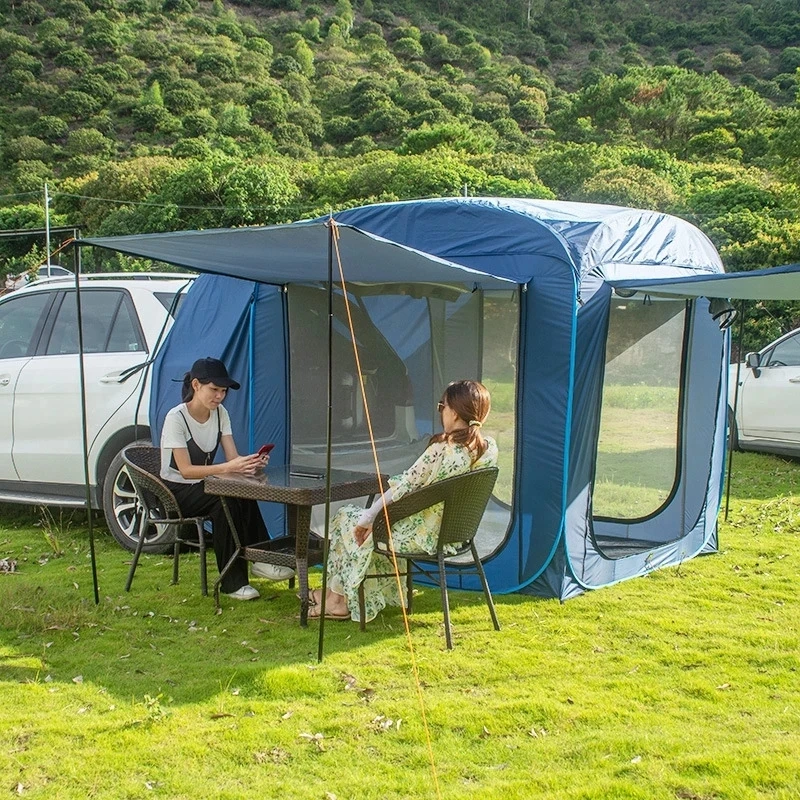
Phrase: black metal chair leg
(362, 607)
(487, 594)
(138, 551)
(448, 632)
(202, 549)
(409, 585)
(176, 556)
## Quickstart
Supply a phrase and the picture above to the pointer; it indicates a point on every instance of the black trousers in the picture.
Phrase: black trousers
(194, 502)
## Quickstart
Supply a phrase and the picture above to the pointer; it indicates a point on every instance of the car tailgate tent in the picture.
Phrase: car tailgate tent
(608, 404)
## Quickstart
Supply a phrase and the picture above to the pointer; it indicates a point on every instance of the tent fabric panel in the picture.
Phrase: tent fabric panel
(296, 253)
(689, 518)
(774, 283)
(648, 240)
(479, 233)
(249, 322)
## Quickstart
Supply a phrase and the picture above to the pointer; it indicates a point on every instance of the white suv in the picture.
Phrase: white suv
(768, 401)
(125, 318)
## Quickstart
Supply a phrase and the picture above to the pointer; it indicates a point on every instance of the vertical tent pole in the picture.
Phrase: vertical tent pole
(84, 430)
(735, 403)
(329, 425)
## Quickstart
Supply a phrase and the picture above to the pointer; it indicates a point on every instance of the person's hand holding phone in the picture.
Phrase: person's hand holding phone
(263, 453)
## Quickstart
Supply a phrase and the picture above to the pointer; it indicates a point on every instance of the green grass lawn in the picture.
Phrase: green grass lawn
(681, 685)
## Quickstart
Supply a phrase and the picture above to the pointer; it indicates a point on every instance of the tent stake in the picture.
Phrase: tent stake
(85, 436)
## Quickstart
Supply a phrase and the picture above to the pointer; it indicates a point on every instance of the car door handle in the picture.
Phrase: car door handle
(112, 377)
(5, 380)
(795, 380)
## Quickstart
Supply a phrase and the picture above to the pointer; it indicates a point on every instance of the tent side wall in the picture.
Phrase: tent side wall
(249, 335)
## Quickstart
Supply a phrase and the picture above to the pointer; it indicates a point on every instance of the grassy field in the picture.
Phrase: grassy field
(683, 685)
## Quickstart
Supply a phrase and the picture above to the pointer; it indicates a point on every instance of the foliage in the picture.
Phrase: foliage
(605, 101)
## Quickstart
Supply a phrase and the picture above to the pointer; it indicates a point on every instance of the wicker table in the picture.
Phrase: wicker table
(298, 488)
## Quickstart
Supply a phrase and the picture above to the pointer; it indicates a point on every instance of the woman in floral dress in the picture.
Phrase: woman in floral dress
(459, 449)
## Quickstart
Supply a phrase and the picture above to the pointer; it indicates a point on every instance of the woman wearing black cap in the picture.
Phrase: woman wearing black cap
(192, 433)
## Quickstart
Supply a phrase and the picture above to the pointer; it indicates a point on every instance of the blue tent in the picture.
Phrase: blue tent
(610, 403)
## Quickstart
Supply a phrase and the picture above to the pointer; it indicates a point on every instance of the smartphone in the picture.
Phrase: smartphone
(266, 449)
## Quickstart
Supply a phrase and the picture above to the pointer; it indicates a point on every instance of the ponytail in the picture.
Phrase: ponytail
(471, 401)
(187, 391)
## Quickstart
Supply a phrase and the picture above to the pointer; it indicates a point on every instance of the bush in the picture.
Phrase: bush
(74, 58)
(95, 86)
(199, 123)
(88, 141)
(151, 118)
(408, 48)
(726, 63)
(28, 148)
(179, 101)
(29, 176)
(284, 65)
(259, 45)
(148, 47)
(50, 128)
(230, 29)
(341, 129)
(192, 148)
(77, 105)
(219, 64)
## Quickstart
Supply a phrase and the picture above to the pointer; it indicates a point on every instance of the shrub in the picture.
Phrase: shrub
(50, 128)
(233, 120)
(28, 148)
(73, 104)
(230, 29)
(219, 64)
(179, 101)
(74, 58)
(284, 65)
(199, 123)
(95, 86)
(88, 141)
(260, 45)
(148, 47)
(726, 63)
(341, 129)
(408, 48)
(789, 59)
(29, 176)
(31, 12)
(151, 117)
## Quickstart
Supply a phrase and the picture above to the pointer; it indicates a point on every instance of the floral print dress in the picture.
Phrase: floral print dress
(348, 562)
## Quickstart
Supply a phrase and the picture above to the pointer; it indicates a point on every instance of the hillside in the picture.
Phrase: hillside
(148, 115)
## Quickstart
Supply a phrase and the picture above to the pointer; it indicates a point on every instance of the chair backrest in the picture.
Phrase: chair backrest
(144, 464)
(465, 498)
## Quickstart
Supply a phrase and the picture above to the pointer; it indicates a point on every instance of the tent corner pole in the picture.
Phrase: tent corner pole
(329, 431)
(732, 422)
(84, 424)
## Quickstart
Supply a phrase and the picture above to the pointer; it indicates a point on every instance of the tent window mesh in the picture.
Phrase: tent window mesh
(412, 341)
(638, 456)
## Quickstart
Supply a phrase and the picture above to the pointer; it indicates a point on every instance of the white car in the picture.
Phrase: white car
(768, 402)
(125, 318)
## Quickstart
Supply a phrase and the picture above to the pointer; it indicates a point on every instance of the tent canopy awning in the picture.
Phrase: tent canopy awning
(774, 283)
(297, 253)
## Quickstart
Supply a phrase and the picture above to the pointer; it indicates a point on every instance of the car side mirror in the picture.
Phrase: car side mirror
(753, 361)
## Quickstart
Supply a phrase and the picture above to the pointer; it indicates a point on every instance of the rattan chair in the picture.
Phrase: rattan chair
(465, 498)
(157, 505)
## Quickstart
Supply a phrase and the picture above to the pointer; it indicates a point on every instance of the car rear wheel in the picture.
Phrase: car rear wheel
(121, 507)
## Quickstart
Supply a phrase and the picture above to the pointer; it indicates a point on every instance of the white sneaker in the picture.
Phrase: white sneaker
(246, 592)
(272, 572)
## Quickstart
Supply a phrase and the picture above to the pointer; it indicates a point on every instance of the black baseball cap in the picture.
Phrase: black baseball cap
(212, 370)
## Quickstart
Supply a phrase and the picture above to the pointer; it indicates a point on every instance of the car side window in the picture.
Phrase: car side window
(107, 324)
(785, 354)
(19, 319)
